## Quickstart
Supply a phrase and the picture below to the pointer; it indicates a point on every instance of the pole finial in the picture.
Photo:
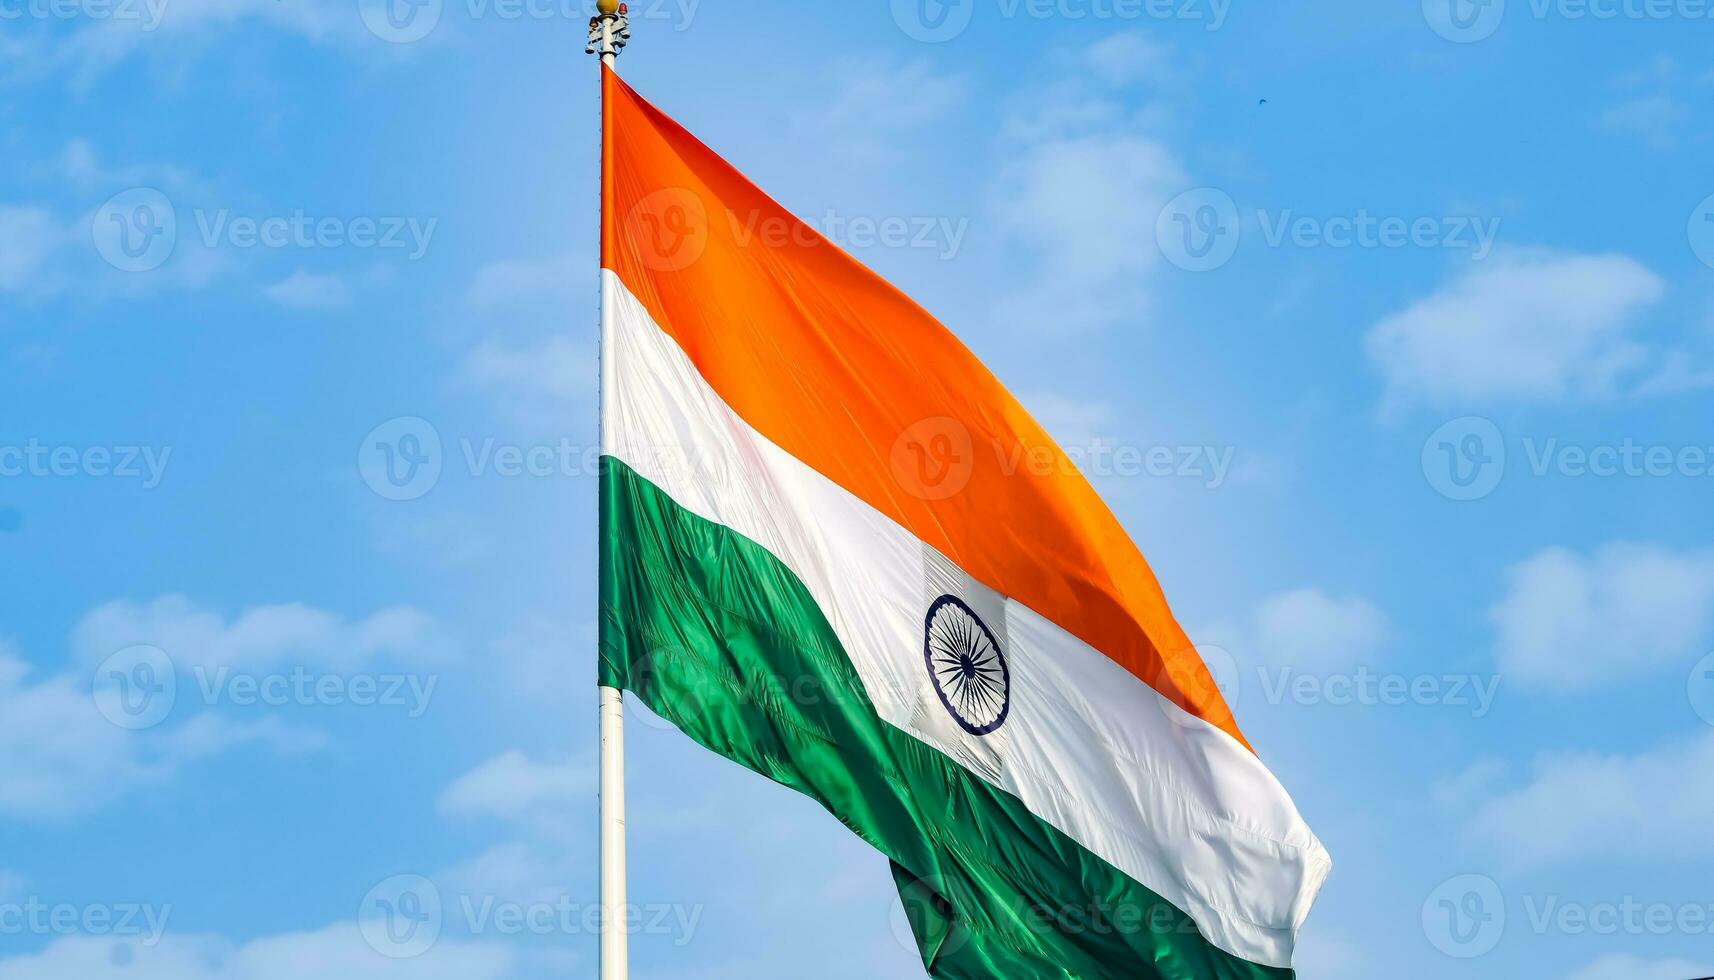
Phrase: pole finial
(609, 29)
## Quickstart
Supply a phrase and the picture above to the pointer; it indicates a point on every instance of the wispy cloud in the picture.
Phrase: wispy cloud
(262, 636)
(1619, 966)
(1570, 622)
(304, 290)
(1523, 327)
(337, 950)
(1582, 806)
(1084, 178)
(64, 759)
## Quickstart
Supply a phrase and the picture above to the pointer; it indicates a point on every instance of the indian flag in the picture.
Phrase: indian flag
(837, 552)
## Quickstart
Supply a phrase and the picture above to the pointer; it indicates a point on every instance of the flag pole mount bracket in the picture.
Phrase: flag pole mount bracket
(609, 30)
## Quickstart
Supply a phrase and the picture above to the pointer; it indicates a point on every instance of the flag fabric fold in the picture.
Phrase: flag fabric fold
(836, 551)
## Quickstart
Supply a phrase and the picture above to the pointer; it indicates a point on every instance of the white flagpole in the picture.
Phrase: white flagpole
(609, 30)
(614, 939)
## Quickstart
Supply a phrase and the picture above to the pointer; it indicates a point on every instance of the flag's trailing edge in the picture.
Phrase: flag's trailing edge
(836, 551)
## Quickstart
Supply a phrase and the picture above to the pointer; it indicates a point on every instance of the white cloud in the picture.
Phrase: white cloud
(161, 29)
(303, 290)
(1308, 629)
(1059, 199)
(1477, 781)
(1535, 327)
(1649, 108)
(80, 166)
(556, 280)
(1569, 622)
(534, 379)
(1655, 119)
(336, 952)
(63, 759)
(261, 636)
(28, 237)
(529, 662)
(544, 803)
(1127, 58)
(512, 786)
(1618, 966)
(1657, 804)
(873, 105)
(1084, 178)
(522, 871)
(1680, 372)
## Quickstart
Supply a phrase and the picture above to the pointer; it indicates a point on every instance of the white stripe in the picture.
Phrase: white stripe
(1170, 800)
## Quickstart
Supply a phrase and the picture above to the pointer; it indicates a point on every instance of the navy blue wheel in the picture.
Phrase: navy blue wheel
(966, 665)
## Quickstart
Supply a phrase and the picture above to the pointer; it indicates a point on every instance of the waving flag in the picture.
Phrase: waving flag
(836, 551)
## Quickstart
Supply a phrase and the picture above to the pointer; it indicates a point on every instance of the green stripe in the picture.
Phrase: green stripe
(721, 639)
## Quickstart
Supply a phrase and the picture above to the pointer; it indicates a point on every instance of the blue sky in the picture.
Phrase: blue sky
(1417, 300)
